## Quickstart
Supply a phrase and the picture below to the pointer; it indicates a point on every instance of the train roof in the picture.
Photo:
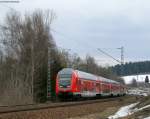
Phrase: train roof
(107, 80)
(66, 71)
(80, 74)
(87, 76)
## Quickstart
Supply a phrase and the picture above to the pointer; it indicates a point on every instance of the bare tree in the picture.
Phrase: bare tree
(25, 67)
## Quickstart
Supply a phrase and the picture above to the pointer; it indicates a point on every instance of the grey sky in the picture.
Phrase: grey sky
(85, 25)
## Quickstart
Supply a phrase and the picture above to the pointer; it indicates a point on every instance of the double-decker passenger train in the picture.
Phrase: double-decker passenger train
(75, 83)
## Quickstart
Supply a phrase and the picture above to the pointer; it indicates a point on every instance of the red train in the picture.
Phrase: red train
(76, 83)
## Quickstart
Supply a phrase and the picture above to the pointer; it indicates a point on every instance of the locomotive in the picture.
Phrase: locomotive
(75, 83)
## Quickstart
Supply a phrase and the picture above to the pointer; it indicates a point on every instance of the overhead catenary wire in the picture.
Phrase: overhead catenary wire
(9, 1)
(4, 5)
(108, 55)
(87, 45)
(6, 2)
(78, 43)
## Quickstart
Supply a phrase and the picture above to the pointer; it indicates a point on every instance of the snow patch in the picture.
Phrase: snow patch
(140, 92)
(147, 118)
(127, 110)
(123, 111)
(138, 78)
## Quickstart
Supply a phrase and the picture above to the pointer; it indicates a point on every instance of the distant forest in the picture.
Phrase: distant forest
(132, 68)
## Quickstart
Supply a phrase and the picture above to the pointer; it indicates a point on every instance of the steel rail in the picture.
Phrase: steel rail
(56, 105)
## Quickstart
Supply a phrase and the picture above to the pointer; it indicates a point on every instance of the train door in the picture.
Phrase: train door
(105, 89)
(85, 85)
(79, 85)
(97, 87)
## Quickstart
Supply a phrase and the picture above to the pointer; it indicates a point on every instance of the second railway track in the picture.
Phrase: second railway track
(32, 107)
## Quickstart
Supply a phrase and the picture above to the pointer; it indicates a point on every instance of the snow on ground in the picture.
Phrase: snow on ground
(123, 111)
(127, 110)
(147, 118)
(137, 91)
(138, 78)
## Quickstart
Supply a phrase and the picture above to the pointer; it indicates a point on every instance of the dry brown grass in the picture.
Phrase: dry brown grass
(144, 101)
(100, 110)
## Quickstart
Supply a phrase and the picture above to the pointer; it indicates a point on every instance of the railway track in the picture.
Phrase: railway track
(33, 107)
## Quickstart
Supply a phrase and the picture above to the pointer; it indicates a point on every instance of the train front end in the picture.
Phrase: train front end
(65, 83)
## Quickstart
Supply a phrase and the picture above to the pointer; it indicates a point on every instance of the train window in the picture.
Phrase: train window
(65, 76)
(64, 80)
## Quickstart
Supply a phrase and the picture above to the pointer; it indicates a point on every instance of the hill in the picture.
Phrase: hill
(132, 68)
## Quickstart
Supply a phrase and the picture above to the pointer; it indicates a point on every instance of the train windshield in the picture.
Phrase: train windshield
(64, 80)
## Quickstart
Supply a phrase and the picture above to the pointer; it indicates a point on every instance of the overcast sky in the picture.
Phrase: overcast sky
(85, 25)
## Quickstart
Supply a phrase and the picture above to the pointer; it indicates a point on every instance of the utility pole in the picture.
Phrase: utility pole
(122, 59)
(49, 75)
(122, 54)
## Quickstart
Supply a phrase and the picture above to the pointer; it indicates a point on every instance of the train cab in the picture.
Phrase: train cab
(67, 83)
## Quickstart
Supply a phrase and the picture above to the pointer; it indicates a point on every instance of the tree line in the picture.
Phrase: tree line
(24, 44)
(132, 68)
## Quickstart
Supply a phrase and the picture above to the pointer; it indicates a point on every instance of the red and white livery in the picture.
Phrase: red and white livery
(72, 82)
